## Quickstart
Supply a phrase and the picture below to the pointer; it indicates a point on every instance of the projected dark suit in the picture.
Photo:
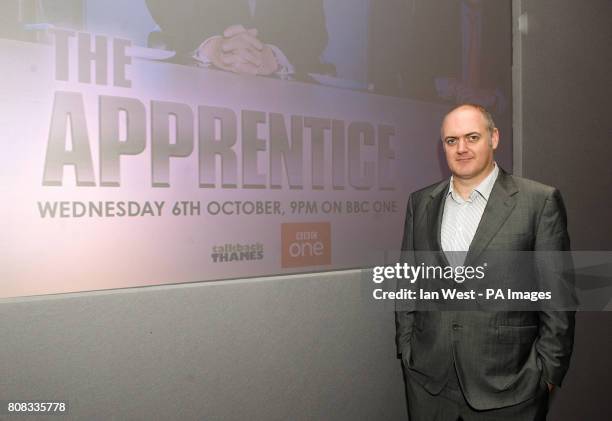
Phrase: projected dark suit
(296, 27)
(501, 358)
(413, 42)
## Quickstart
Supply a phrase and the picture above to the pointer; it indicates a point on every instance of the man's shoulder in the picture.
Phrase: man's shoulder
(525, 186)
(530, 187)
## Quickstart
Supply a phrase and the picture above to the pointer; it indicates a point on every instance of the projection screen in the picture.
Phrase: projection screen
(155, 142)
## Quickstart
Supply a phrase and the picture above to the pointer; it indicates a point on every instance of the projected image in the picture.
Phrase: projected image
(283, 37)
(29, 19)
(439, 50)
(433, 50)
(151, 142)
(442, 51)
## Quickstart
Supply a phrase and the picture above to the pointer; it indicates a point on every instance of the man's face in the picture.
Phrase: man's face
(468, 145)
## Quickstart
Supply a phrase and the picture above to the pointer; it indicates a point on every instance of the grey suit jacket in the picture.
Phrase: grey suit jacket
(502, 357)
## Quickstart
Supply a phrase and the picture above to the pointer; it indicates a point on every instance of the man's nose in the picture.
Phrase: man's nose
(461, 146)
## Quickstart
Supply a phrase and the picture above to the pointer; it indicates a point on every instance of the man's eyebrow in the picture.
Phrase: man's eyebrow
(465, 135)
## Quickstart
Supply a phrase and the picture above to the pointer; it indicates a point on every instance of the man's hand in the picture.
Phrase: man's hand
(239, 51)
(269, 64)
(551, 387)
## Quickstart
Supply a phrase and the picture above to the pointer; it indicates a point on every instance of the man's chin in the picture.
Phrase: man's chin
(463, 173)
(467, 170)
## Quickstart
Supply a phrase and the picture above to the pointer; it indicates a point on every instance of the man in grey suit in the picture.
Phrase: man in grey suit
(477, 365)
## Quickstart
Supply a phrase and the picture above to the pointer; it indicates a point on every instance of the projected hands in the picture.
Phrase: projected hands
(240, 51)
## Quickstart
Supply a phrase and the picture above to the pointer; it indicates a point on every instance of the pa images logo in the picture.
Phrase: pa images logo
(305, 244)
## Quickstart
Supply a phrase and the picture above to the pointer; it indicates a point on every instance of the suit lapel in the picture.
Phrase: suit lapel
(499, 206)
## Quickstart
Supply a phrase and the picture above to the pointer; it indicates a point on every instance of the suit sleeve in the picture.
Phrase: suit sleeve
(185, 24)
(404, 316)
(298, 28)
(556, 333)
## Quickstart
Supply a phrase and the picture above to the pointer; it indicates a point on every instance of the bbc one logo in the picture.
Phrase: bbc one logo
(305, 244)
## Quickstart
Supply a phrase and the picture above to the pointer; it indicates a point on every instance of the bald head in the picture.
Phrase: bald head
(486, 115)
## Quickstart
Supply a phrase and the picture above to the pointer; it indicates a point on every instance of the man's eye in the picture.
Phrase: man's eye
(451, 141)
(474, 138)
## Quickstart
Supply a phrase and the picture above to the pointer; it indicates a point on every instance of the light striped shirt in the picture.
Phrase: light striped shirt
(461, 217)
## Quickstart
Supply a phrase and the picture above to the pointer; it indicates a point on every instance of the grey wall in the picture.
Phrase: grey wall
(566, 140)
(291, 348)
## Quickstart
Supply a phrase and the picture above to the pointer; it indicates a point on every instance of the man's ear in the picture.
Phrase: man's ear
(495, 138)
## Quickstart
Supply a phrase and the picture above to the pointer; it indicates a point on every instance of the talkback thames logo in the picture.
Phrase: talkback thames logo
(227, 253)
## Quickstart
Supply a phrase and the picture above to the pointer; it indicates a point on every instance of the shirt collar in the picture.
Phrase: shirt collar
(484, 188)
